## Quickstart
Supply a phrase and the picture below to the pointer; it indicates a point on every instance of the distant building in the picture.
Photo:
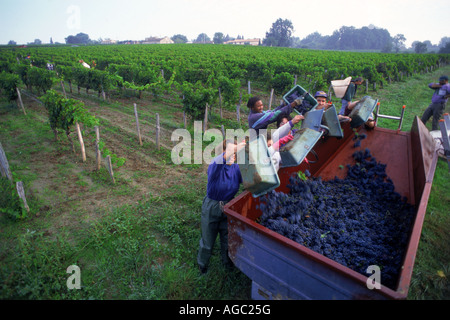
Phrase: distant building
(109, 41)
(154, 40)
(130, 42)
(251, 42)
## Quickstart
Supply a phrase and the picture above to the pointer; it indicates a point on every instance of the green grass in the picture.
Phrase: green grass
(148, 250)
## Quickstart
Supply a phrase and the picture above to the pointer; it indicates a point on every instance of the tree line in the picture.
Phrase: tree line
(348, 38)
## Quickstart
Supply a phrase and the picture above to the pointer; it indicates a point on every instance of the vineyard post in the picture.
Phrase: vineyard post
(158, 132)
(20, 101)
(249, 87)
(220, 102)
(63, 89)
(80, 138)
(184, 119)
(222, 128)
(137, 124)
(205, 122)
(295, 80)
(270, 100)
(4, 165)
(238, 109)
(97, 147)
(110, 169)
(21, 193)
(367, 86)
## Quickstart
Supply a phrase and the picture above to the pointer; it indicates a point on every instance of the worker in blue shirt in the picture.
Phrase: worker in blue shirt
(438, 102)
(224, 179)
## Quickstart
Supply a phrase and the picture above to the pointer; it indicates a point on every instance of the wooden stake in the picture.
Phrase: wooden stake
(20, 100)
(64, 89)
(137, 124)
(205, 123)
(158, 132)
(109, 167)
(97, 147)
(184, 119)
(21, 192)
(4, 166)
(80, 138)
(238, 109)
(220, 103)
(249, 87)
(271, 97)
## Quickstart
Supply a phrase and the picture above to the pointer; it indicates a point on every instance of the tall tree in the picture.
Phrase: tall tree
(280, 34)
(419, 47)
(399, 42)
(218, 38)
(203, 38)
(445, 49)
(80, 38)
(444, 41)
(179, 38)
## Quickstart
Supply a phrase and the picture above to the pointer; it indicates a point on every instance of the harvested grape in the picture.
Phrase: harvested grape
(357, 221)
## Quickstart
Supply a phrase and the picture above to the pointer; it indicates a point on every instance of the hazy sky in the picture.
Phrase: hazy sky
(26, 20)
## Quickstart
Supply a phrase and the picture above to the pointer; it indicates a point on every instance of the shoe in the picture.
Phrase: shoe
(229, 265)
(203, 270)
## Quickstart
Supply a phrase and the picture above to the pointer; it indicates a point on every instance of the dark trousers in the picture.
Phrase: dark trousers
(213, 222)
(434, 110)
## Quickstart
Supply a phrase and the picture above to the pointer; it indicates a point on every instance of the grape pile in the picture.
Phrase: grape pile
(357, 221)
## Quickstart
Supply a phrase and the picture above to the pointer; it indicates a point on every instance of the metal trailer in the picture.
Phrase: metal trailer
(283, 269)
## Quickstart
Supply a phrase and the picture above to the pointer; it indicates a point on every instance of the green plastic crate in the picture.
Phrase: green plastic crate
(362, 111)
(296, 92)
(296, 150)
(259, 175)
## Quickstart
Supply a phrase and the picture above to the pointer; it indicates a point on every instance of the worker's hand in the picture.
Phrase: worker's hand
(351, 105)
(229, 151)
(297, 102)
(436, 86)
(297, 119)
(344, 118)
(240, 145)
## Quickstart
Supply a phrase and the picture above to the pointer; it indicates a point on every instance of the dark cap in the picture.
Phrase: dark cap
(320, 94)
(443, 78)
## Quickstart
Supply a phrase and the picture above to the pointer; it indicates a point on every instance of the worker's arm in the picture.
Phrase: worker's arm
(434, 86)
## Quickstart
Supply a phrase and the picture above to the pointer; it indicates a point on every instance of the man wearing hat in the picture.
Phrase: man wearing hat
(350, 93)
(438, 102)
(321, 98)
